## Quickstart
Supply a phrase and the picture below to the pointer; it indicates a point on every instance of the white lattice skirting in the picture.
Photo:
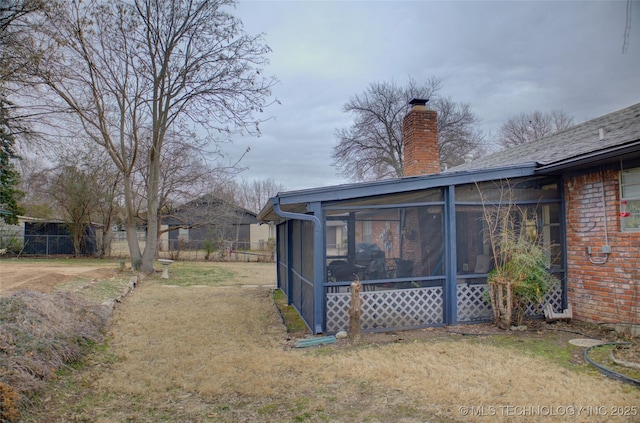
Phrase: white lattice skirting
(392, 309)
(553, 297)
(411, 308)
(473, 305)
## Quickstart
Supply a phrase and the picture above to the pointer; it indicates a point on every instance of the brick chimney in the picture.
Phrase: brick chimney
(420, 132)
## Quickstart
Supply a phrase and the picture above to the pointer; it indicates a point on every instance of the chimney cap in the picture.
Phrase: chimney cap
(418, 102)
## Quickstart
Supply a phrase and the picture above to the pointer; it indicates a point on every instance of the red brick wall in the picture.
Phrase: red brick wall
(420, 134)
(609, 291)
(411, 243)
(380, 227)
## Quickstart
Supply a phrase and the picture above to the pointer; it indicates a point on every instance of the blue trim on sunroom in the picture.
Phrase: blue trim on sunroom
(308, 205)
(298, 200)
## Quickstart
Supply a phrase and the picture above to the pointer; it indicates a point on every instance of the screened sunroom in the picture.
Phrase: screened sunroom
(418, 245)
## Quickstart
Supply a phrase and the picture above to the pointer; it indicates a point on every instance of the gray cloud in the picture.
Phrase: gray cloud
(502, 58)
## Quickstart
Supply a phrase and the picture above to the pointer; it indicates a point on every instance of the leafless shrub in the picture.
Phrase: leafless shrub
(174, 254)
(267, 250)
(39, 334)
(520, 275)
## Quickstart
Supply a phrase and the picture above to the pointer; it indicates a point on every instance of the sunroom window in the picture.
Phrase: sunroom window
(630, 200)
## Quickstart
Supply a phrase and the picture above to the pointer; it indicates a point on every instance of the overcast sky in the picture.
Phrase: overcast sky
(502, 58)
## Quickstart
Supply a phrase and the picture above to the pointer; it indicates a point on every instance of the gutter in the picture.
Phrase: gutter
(275, 201)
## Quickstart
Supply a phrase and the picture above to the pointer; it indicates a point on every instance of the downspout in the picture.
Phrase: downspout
(318, 265)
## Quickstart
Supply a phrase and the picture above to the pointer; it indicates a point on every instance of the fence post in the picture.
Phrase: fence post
(355, 310)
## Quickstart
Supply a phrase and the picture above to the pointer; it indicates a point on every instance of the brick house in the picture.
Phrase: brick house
(418, 243)
(599, 164)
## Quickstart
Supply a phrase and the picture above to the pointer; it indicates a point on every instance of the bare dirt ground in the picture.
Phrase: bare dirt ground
(16, 275)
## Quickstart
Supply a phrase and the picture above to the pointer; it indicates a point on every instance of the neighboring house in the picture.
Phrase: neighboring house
(418, 244)
(48, 237)
(210, 219)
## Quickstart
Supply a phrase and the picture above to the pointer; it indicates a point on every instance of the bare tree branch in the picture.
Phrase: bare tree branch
(134, 73)
(373, 146)
(524, 128)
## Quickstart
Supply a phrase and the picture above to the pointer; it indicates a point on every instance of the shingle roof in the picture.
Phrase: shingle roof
(621, 134)
(620, 128)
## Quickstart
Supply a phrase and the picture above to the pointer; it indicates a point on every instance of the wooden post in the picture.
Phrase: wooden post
(501, 292)
(354, 310)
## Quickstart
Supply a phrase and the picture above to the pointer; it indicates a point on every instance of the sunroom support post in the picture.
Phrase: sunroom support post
(451, 281)
(289, 253)
(351, 238)
(319, 271)
(318, 256)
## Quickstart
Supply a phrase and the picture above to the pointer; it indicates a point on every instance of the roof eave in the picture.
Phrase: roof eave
(390, 186)
(598, 158)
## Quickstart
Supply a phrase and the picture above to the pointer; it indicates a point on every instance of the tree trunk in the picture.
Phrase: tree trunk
(105, 242)
(77, 241)
(153, 186)
(151, 245)
(130, 225)
(501, 293)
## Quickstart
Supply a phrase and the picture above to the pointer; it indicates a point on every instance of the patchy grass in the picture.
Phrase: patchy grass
(291, 319)
(212, 274)
(204, 274)
(97, 289)
(547, 346)
(197, 348)
(210, 353)
(46, 335)
(602, 355)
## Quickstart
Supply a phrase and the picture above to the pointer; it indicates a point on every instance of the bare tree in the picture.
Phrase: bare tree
(108, 193)
(34, 182)
(108, 208)
(79, 187)
(527, 127)
(459, 136)
(373, 146)
(187, 172)
(73, 190)
(253, 195)
(627, 28)
(128, 69)
(13, 34)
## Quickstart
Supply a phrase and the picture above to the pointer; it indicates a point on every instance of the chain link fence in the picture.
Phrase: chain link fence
(14, 244)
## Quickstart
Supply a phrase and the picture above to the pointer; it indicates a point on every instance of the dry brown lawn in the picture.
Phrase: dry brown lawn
(219, 353)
